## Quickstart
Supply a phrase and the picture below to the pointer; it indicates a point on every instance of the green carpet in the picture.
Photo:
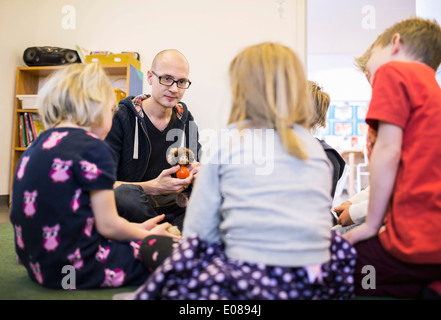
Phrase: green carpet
(16, 285)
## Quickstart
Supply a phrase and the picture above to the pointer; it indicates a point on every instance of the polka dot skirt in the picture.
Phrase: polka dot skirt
(200, 271)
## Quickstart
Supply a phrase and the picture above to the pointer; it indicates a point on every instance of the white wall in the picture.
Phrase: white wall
(430, 9)
(17, 23)
(340, 30)
(346, 26)
(209, 32)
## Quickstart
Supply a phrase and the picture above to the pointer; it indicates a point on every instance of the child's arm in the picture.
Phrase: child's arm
(202, 215)
(384, 165)
(358, 211)
(354, 210)
(111, 226)
(362, 196)
(352, 213)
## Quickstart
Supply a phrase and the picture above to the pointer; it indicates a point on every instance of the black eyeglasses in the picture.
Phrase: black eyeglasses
(169, 81)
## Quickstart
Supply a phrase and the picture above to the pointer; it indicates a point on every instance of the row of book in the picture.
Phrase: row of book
(29, 126)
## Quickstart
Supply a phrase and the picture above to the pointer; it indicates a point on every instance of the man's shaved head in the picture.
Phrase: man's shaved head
(168, 56)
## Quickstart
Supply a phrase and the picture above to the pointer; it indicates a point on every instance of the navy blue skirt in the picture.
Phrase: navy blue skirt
(197, 270)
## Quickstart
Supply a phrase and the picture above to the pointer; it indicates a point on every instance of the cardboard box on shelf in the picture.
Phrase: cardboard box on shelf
(27, 101)
(114, 59)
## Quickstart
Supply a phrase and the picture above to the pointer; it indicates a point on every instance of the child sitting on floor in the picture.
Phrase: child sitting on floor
(405, 166)
(353, 212)
(63, 206)
(255, 234)
(321, 101)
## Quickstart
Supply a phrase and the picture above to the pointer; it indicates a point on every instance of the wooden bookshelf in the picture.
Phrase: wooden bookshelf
(30, 79)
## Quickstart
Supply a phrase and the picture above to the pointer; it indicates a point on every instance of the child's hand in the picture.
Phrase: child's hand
(163, 230)
(344, 206)
(344, 219)
(154, 226)
(153, 222)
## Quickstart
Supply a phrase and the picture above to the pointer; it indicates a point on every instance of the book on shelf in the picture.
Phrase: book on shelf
(20, 132)
(34, 130)
(23, 136)
(30, 126)
(29, 133)
(38, 124)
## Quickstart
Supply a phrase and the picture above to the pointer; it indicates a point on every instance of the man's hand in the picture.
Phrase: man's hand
(166, 184)
(194, 169)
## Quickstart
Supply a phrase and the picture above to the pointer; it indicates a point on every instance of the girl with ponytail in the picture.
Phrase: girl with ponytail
(270, 90)
(258, 225)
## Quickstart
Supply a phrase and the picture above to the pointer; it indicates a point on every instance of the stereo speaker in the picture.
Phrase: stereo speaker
(49, 56)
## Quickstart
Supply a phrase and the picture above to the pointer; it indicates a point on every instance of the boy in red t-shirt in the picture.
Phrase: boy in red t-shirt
(401, 237)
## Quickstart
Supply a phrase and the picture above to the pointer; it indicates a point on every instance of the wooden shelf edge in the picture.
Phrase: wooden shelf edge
(27, 110)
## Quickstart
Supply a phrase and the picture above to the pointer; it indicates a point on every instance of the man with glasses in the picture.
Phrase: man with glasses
(143, 131)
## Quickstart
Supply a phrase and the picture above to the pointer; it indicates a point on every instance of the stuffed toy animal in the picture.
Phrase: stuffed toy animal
(183, 157)
(174, 230)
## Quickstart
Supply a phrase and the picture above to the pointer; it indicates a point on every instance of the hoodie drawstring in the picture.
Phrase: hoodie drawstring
(135, 142)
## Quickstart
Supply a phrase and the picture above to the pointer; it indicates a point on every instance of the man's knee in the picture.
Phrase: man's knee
(132, 203)
(127, 195)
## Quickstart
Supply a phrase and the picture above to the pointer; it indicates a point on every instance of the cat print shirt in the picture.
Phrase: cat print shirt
(52, 216)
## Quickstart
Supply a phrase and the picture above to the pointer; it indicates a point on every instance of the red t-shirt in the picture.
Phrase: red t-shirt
(407, 95)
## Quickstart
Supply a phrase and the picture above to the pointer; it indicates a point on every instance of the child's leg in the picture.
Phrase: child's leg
(155, 249)
(391, 277)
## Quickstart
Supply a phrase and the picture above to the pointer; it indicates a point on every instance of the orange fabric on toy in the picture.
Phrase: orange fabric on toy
(182, 173)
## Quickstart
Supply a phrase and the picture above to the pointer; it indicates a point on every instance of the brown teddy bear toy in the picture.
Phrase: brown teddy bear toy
(174, 230)
(183, 157)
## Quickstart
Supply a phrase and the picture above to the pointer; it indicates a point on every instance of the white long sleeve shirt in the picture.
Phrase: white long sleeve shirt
(358, 209)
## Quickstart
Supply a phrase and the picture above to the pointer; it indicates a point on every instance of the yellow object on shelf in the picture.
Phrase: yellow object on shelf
(119, 95)
(114, 59)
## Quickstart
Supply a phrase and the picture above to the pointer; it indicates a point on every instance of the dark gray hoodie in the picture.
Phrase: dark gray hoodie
(130, 141)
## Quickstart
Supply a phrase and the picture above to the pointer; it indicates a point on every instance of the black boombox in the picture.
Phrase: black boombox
(50, 56)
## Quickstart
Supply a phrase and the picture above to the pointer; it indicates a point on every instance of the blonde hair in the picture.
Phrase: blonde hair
(77, 93)
(321, 101)
(420, 37)
(361, 62)
(269, 89)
